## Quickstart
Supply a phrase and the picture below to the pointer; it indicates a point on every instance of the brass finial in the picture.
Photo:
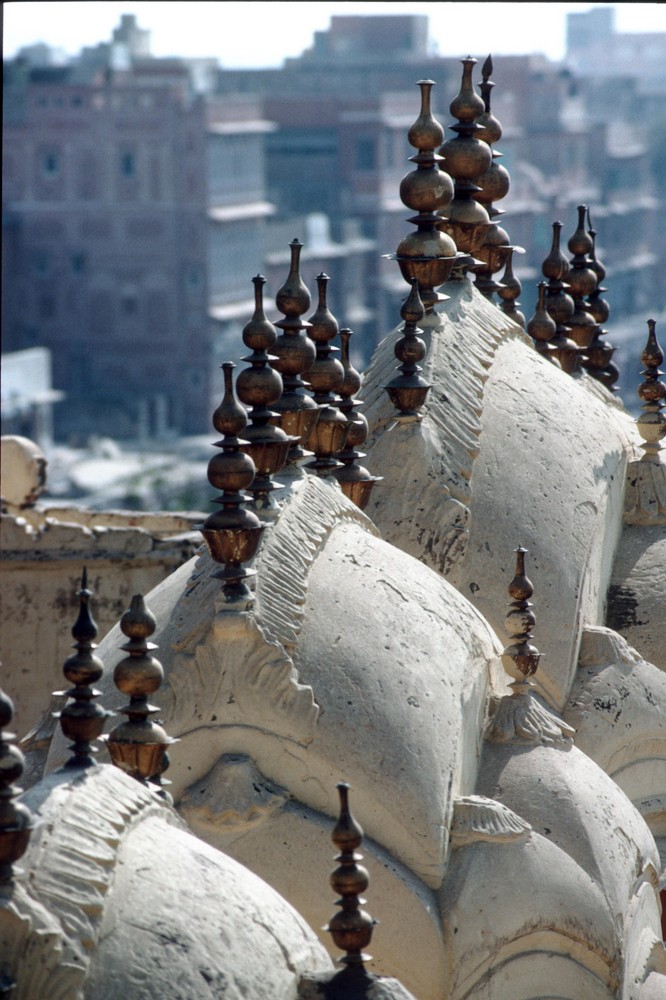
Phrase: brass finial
(652, 421)
(427, 254)
(559, 304)
(295, 354)
(139, 746)
(510, 288)
(542, 326)
(233, 533)
(408, 390)
(355, 481)
(259, 387)
(520, 657)
(351, 928)
(82, 720)
(582, 282)
(466, 158)
(15, 818)
(494, 250)
(329, 434)
(599, 364)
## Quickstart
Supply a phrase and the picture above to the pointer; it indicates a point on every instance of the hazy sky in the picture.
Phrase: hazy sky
(263, 34)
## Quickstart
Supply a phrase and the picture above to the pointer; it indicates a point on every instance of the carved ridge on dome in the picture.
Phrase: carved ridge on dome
(38, 950)
(290, 549)
(476, 817)
(521, 718)
(458, 369)
(72, 859)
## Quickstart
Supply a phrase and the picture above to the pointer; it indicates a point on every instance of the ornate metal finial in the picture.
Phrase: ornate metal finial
(259, 387)
(15, 818)
(351, 928)
(139, 746)
(510, 288)
(233, 533)
(82, 720)
(582, 282)
(542, 326)
(427, 254)
(329, 434)
(520, 717)
(295, 354)
(467, 158)
(355, 481)
(559, 304)
(599, 364)
(494, 184)
(652, 421)
(408, 390)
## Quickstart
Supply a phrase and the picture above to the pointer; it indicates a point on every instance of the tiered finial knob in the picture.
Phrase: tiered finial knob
(466, 158)
(510, 288)
(520, 657)
(139, 746)
(542, 326)
(652, 421)
(15, 818)
(599, 354)
(355, 481)
(559, 304)
(233, 533)
(427, 254)
(408, 390)
(259, 387)
(351, 928)
(329, 434)
(82, 720)
(295, 354)
(582, 282)
(494, 251)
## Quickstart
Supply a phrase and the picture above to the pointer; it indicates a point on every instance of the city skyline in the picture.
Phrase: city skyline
(276, 31)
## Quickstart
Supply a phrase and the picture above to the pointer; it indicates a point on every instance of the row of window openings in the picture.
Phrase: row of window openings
(51, 164)
(78, 264)
(97, 101)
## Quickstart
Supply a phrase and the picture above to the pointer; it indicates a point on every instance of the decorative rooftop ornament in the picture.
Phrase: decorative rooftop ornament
(408, 390)
(520, 717)
(493, 186)
(652, 421)
(295, 354)
(510, 288)
(466, 158)
(259, 387)
(233, 533)
(582, 282)
(82, 720)
(542, 326)
(428, 254)
(559, 303)
(351, 928)
(329, 434)
(15, 818)
(600, 352)
(139, 746)
(355, 481)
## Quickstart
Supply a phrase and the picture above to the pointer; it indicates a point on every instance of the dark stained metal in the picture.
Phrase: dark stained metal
(466, 158)
(139, 745)
(509, 290)
(295, 354)
(351, 928)
(542, 326)
(329, 434)
(355, 481)
(582, 281)
(652, 421)
(259, 387)
(520, 657)
(16, 820)
(559, 304)
(599, 354)
(408, 390)
(233, 533)
(82, 719)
